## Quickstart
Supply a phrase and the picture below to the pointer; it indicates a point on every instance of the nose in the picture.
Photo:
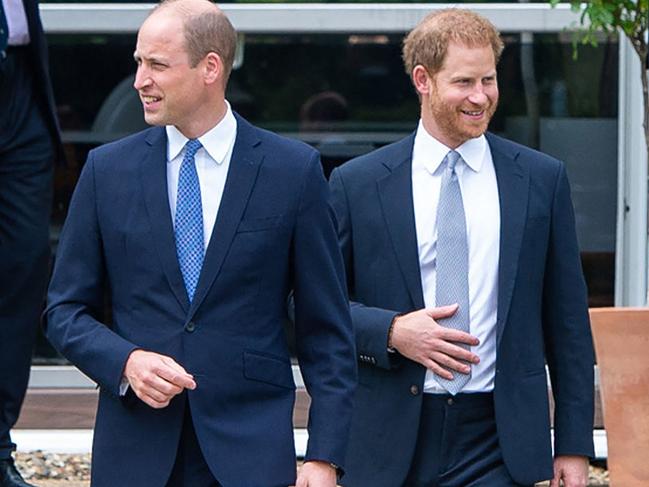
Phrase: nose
(142, 78)
(478, 95)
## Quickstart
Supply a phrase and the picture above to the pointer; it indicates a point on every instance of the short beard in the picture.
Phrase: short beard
(447, 117)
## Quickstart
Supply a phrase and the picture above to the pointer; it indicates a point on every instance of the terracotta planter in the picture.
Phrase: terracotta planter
(621, 337)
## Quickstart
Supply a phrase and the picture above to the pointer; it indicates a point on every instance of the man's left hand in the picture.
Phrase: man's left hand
(572, 469)
(316, 474)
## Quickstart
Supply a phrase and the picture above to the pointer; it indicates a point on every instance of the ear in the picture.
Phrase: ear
(212, 68)
(422, 80)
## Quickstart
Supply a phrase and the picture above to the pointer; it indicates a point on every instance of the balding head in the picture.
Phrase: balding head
(184, 53)
(205, 28)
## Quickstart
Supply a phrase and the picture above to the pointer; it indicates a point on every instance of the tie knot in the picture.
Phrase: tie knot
(451, 159)
(191, 147)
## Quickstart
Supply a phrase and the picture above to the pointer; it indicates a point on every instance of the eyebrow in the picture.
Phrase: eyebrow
(461, 76)
(152, 59)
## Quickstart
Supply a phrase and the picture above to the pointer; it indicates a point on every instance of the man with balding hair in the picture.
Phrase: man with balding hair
(198, 229)
(465, 278)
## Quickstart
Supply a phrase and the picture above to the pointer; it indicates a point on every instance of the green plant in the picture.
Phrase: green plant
(629, 17)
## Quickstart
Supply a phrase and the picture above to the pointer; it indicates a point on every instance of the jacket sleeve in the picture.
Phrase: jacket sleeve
(76, 293)
(569, 345)
(371, 324)
(324, 337)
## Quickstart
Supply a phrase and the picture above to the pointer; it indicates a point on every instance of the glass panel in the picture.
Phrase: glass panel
(289, 1)
(349, 94)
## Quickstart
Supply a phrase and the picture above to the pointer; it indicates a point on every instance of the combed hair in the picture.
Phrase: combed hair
(428, 42)
(211, 32)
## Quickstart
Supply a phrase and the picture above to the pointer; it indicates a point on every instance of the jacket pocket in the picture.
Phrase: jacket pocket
(258, 224)
(269, 369)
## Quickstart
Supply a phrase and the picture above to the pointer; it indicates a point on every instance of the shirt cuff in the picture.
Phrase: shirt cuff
(123, 386)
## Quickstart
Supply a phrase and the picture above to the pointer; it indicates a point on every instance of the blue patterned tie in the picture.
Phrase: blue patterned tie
(452, 266)
(189, 220)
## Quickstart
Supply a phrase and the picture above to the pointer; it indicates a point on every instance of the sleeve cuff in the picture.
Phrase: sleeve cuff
(123, 387)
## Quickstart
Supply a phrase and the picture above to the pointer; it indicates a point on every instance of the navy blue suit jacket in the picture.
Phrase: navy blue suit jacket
(274, 232)
(542, 313)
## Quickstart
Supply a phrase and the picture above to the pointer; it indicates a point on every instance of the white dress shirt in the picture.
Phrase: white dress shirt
(212, 164)
(479, 187)
(16, 22)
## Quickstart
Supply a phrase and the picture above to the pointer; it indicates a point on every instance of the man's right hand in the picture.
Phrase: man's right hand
(418, 337)
(156, 378)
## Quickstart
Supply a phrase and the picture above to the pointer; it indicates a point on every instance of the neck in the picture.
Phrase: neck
(204, 121)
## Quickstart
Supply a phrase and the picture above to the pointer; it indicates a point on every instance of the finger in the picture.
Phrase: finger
(437, 369)
(177, 367)
(456, 352)
(442, 311)
(451, 335)
(153, 402)
(177, 377)
(161, 385)
(450, 363)
(185, 381)
(151, 392)
(573, 481)
(174, 365)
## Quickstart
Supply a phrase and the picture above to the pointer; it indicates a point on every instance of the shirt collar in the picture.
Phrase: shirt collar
(430, 152)
(216, 141)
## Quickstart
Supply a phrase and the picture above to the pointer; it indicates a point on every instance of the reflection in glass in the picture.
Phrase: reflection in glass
(348, 94)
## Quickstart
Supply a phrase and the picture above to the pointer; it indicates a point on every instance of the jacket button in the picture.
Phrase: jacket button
(190, 327)
(414, 390)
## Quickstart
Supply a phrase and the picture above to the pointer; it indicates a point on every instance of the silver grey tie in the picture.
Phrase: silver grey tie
(452, 282)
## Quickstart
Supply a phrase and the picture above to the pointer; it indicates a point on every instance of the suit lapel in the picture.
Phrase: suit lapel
(154, 187)
(513, 188)
(395, 194)
(244, 166)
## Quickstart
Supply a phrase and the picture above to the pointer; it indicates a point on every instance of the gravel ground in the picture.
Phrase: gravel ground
(66, 470)
(60, 483)
(597, 477)
(59, 470)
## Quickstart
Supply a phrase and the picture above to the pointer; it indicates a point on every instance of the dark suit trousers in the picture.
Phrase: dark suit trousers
(26, 154)
(457, 444)
(190, 468)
